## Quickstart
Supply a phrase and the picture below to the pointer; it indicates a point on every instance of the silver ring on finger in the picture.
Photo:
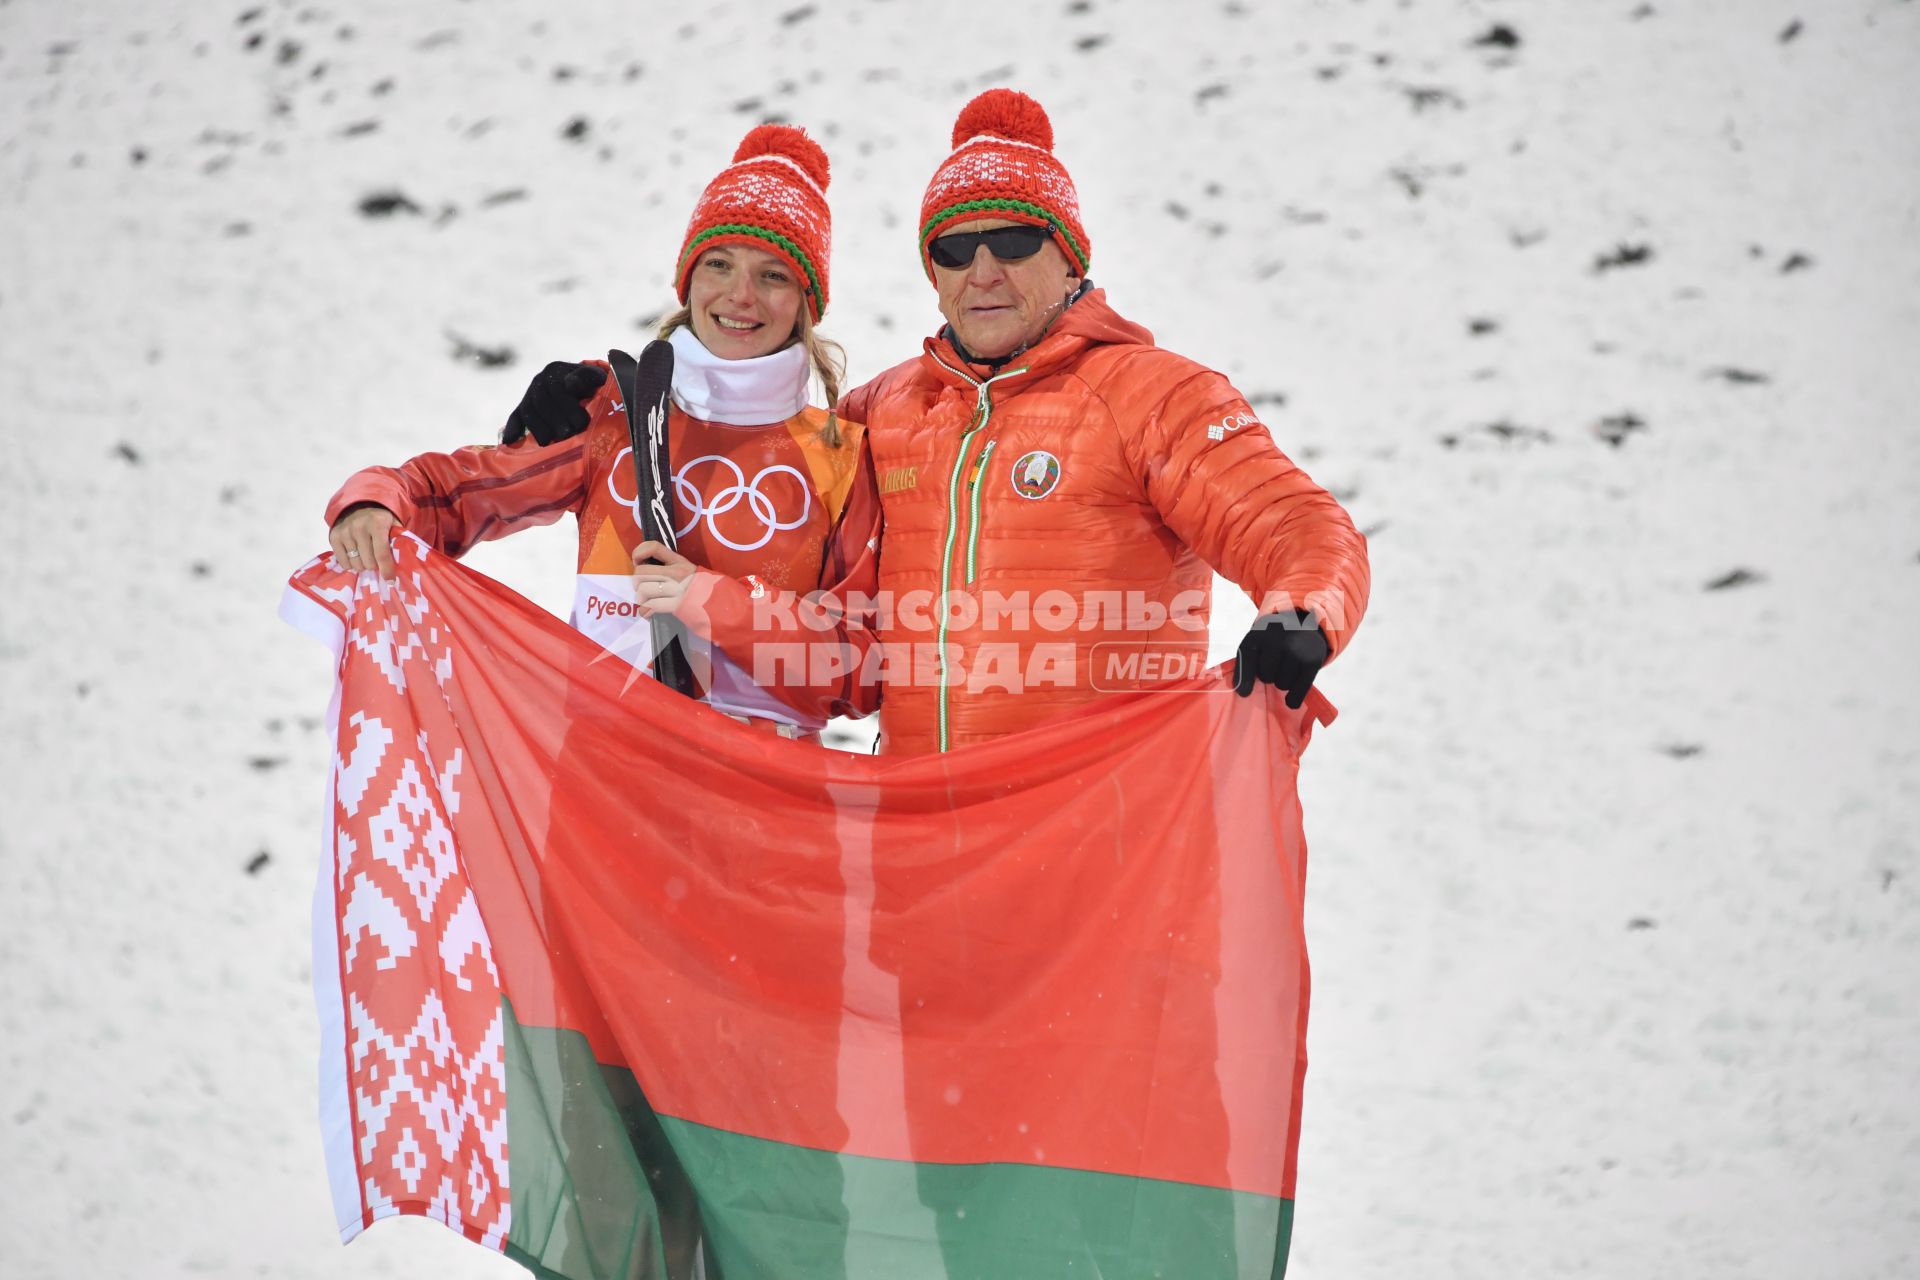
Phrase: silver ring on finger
(353, 555)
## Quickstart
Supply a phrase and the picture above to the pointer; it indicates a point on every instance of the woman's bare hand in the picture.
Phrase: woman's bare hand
(362, 539)
(660, 578)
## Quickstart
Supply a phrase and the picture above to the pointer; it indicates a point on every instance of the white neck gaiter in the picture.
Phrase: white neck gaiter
(739, 393)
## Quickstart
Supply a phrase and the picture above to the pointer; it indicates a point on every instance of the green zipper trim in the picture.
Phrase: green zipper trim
(973, 510)
(946, 558)
(982, 411)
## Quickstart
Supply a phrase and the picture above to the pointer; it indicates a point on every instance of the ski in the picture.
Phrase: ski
(646, 385)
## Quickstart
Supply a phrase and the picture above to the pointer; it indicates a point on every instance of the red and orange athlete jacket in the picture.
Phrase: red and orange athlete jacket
(1053, 529)
(772, 514)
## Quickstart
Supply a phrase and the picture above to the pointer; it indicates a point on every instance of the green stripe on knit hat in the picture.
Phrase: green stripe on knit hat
(1006, 206)
(774, 238)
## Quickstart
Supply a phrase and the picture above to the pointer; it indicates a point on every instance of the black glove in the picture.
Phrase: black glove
(554, 406)
(1285, 650)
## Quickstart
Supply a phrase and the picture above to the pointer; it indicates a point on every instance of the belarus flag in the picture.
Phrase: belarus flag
(621, 988)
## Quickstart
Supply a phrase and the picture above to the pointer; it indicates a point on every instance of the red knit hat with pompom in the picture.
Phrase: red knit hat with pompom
(1002, 166)
(773, 197)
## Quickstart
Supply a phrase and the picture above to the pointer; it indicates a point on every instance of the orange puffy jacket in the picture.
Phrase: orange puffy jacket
(1072, 509)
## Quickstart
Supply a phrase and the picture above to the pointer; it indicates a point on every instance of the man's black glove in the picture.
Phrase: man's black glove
(1286, 650)
(554, 406)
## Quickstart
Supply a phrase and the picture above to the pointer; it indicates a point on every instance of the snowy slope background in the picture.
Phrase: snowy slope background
(1601, 316)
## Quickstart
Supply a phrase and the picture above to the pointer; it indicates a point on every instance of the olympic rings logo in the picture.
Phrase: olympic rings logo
(696, 506)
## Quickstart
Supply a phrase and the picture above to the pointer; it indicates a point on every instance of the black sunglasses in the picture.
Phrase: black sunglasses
(1008, 244)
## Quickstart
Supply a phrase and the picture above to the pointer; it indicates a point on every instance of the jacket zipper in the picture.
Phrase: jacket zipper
(973, 508)
(982, 413)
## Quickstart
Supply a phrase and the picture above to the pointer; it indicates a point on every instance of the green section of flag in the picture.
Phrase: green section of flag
(603, 1189)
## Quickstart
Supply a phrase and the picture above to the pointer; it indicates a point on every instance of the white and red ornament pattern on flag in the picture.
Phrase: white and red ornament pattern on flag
(426, 1068)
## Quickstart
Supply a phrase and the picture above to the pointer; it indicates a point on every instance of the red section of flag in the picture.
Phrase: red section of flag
(1080, 946)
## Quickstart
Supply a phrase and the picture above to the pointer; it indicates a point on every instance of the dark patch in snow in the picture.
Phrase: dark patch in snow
(1736, 578)
(1087, 44)
(1481, 326)
(651, 320)
(472, 352)
(1177, 210)
(287, 53)
(257, 862)
(1616, 427)
(127, 453)
(1795, 262)
(1207, 93)
(1623, 255)
(1430, 95)
(1639, 923)
(200, 569)
(1738, 377)
(265, 764)
(248, 15)
(360, 129)
(576, 129)
(509, 196)
(1791, 32)
(1682, 750)
(791, 16)
(384, 204)
(1277, 399)
(1502, 433)
(138, 155)
(1498, 36)
(1515, 432)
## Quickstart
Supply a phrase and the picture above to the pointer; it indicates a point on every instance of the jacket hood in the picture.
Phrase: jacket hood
(1090, 322)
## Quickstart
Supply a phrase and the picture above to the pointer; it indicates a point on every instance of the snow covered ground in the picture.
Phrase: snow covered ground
(1601, 316)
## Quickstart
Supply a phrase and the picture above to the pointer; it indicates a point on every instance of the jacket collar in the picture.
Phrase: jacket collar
(1089, 322)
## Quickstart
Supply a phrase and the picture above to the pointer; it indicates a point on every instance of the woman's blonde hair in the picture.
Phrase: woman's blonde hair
(828, 358)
